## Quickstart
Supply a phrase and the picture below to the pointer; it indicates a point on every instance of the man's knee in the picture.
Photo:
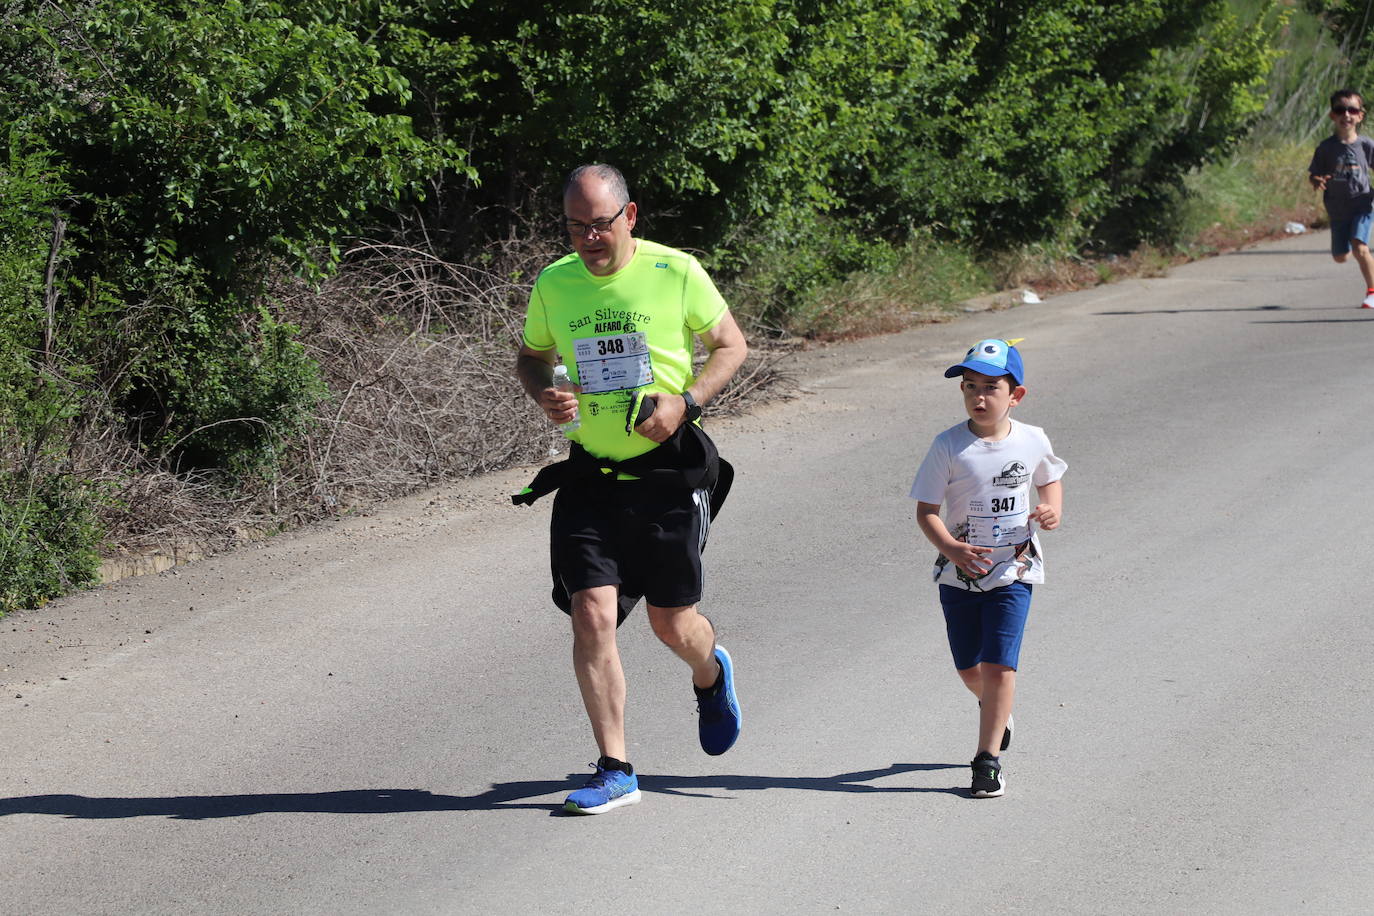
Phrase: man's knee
(673, 626)
(594, 612)
(1340, 258)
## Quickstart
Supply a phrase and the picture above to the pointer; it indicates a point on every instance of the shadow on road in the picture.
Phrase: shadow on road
(1364, 317)
(1251, 308)
(844, 782)
(501, 796)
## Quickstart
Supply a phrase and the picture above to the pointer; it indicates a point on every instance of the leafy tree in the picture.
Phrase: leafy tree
(48, 533)
(204, 146)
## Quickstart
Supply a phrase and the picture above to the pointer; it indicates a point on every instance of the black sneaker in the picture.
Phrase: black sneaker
(987, 777)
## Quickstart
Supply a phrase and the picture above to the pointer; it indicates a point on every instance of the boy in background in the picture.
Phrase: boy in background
(1340, 170)
(982, 471)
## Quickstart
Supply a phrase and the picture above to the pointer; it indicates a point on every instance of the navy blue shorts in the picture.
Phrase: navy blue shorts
(986, 626)
(1344, 231)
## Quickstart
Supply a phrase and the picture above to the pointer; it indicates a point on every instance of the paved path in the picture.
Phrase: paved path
(378, 716)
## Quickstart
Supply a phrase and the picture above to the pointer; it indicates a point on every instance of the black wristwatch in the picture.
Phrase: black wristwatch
(693, 408)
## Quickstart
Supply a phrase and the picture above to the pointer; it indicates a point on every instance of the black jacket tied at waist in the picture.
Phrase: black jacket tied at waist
(688, 460)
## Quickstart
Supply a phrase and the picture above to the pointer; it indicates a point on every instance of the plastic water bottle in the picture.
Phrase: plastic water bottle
(563, 382)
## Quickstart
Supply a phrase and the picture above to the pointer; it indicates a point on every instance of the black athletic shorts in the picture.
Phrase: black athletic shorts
(647, 539)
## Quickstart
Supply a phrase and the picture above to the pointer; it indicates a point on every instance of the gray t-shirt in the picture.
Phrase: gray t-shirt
(1347, 191)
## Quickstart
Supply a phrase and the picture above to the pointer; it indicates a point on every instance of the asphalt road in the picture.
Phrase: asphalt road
(379, 716)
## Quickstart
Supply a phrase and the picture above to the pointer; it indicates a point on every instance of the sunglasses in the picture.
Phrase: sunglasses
(1346, 109)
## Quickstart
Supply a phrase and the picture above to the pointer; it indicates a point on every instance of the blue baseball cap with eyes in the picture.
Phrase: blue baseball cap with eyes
(992, 357)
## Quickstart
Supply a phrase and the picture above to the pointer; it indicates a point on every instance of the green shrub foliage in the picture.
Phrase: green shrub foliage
(1028, 119)
(48, 539)
(201, 146)
(164, 159)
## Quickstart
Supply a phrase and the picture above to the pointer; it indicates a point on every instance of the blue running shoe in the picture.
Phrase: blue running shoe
(718, 710)
(606, 789)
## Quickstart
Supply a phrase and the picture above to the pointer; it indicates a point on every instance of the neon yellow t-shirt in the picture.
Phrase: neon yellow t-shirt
(628, 332)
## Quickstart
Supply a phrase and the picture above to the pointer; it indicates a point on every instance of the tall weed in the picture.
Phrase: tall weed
(922, 281)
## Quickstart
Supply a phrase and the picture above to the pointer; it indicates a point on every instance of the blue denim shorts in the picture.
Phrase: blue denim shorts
(986, 626)
(1356, 228)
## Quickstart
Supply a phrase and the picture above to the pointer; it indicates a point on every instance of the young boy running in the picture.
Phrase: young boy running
(1340, 170)
(982, 471)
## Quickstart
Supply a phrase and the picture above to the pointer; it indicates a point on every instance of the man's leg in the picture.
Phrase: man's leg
(691, 637)
(596, 661)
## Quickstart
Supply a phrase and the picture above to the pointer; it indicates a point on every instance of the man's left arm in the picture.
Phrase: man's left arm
(726, 350)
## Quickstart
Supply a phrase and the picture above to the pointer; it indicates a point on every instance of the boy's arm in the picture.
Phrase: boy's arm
(1051, 508)
(965, 556)
(1318, 170)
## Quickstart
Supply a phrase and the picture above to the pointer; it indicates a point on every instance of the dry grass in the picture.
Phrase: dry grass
(418, 355)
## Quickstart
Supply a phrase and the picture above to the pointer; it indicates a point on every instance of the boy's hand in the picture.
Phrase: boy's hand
(1046, 516)
(1319, 181)
(970, 559)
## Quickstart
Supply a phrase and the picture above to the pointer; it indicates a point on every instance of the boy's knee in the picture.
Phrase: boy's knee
(1340, 258)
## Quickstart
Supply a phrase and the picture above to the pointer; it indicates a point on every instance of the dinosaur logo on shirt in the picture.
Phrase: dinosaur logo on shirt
(1013, 475)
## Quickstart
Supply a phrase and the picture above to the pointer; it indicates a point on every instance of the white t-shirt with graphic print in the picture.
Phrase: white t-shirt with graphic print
(984, 489)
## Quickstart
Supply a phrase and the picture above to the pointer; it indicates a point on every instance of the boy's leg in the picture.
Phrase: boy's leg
(1351, 236)
(1004, 613)
(999, 690)
(1340, 240)
(1366, 261)
(973, 680)
(981, 683)
(1359, 247)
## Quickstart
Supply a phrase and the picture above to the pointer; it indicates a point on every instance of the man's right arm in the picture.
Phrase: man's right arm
(534, 369)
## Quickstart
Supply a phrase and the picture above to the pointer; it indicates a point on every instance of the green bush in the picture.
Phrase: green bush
(204, 148)
(49, 539)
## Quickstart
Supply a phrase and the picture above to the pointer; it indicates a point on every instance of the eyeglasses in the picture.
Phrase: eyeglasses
(600, 226)
(1346, 109)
